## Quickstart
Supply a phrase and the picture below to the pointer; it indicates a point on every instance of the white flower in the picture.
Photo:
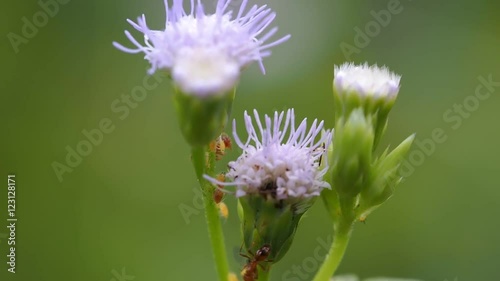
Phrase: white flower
(205, 53)
(280, 160)
(366, 80)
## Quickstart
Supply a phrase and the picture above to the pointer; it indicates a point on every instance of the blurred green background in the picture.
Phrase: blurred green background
(120, 208)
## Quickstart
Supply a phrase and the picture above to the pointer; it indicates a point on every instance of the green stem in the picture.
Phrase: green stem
(198, 158)
(264, 274)
(336, 253)
(211, 215)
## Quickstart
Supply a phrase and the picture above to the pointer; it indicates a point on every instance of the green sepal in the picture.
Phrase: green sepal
(352, 153)
(329, 195)
(202, 119)
(374, 107)
(269, 221)
(332, 204)
(384, 177)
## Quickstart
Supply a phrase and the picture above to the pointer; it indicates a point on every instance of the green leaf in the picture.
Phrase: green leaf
(384, 177)
(389, 279)
(345, 278)
(355, 278)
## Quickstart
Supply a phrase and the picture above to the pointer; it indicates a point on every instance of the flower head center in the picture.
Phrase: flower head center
(279, 158)
(204, 71)
(277, 166)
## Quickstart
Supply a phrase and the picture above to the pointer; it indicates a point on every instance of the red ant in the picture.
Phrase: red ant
(250, 270)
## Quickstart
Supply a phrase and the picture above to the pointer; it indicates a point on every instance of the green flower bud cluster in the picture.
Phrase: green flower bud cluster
(361, 180)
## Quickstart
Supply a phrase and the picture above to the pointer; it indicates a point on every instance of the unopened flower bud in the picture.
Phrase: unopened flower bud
(372, 88)
(352, 153)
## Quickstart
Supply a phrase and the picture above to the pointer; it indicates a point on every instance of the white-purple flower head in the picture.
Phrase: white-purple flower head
(205, 53)
(366, 80)
(280, 159)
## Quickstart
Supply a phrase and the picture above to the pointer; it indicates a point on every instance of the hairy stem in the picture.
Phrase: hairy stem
(336, 252)
(211, 214)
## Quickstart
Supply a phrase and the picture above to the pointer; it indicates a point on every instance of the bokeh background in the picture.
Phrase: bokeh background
(119, 209)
